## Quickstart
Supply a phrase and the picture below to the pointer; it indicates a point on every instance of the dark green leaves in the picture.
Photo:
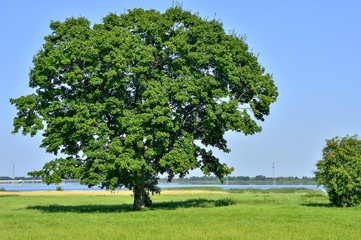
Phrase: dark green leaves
(130, 98)
(28, 116)
(340, 170)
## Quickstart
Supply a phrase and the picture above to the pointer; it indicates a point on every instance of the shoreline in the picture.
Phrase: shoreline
(99, 193)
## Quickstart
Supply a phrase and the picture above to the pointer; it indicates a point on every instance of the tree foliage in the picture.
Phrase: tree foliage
(340, 170)
(134, 96)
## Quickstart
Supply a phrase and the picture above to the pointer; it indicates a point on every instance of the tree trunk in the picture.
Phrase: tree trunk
(139, 195)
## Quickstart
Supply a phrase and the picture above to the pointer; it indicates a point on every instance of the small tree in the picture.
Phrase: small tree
(132, 98)
(340, 170)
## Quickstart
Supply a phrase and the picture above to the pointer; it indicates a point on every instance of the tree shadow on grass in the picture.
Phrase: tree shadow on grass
(55, 208)
(10, 195)
(328, 205)
(191, 203)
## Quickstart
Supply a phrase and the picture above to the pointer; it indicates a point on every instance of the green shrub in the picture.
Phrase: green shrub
(340, 170)
(59, 188)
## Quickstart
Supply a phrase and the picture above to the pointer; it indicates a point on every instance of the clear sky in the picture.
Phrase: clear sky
(312, 48)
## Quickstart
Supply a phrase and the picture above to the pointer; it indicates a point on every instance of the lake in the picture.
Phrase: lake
(76, 186)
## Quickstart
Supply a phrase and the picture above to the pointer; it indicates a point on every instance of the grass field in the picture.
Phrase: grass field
(177, 214)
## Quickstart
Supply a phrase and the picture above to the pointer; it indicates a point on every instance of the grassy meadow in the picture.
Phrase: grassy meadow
(196, 213)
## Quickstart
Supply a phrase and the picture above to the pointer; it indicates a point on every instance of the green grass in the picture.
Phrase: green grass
(212, 215)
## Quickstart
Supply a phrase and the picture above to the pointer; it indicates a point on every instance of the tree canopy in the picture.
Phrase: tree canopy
(340, 170)
(141, 94)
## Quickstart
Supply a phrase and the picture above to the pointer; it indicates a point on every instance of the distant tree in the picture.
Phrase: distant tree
(244, 178)
(260, 178)
(132, 98)
(340, 170)
(5, 178)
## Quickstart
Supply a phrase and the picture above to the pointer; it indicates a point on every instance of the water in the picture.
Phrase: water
(78, 187)
(243, 186)
(43, 187)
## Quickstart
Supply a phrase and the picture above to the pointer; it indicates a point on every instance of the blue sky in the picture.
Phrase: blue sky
(312, 48)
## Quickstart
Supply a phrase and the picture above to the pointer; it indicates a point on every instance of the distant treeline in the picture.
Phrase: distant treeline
(18, 178)
(231, 180)
(244, 180)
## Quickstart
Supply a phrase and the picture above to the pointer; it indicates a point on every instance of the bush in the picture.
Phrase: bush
(59, 188)
(340, 170)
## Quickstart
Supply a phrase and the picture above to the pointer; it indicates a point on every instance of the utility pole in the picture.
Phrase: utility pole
(13, 170)
(13, 173)
(273, 171)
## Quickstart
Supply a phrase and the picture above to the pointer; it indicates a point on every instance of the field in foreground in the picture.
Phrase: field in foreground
(180, 214)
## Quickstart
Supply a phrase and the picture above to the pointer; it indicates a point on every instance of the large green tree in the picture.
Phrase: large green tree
(139, 95)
